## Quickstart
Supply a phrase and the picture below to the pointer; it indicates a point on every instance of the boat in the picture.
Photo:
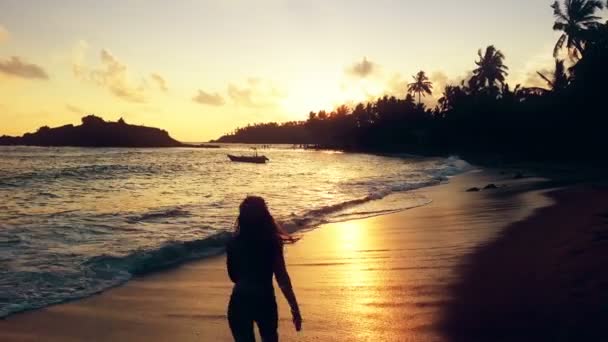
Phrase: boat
(207, 146)
(255, 158)
(249, 159)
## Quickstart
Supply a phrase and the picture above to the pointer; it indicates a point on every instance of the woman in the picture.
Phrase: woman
(253, 255)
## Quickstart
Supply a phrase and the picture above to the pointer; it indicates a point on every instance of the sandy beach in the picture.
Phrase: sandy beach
(544, 279)
(407, 276)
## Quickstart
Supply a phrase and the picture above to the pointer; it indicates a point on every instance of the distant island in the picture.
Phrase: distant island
(96, 132)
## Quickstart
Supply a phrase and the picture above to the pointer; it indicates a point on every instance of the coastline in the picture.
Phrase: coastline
(389, 276)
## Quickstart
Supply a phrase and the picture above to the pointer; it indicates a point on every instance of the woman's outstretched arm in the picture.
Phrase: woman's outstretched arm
(280, 272)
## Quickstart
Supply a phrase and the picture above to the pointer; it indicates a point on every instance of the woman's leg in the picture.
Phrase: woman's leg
(240, 320)
(267, 319)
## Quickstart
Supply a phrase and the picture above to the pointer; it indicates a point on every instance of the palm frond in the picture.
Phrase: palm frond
(546, 79)
(573, 20)
(559, 26)
(557, 10)
(559, 45)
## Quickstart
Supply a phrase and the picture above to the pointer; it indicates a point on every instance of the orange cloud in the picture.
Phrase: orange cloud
(78, 55)
(17, 67)
(160, 81)
(256, 93)
(205, 98)
(111, 74)
(74, 109)
(362, 69)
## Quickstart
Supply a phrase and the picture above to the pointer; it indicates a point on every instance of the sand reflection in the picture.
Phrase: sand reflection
(352, 241)
(360, 277)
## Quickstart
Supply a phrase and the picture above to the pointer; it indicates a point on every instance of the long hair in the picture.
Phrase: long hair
(255, 223)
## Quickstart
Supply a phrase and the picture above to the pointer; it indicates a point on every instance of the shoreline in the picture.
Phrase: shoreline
(194, 294)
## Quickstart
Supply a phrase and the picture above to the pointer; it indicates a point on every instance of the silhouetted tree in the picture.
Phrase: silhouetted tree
(92, 120)
(409, 104)
(560, 79)
(450, 98)
(576, 17)
(342, 110)
(421, 86)
(490, 70)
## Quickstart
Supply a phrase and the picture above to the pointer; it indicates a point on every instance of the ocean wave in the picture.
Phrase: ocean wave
(174, 253)
(344, 211)
(166, 256)
(98, 273)
(83, 173)
(161, 214)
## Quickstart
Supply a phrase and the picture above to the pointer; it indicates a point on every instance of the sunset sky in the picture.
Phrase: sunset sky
(201, 68)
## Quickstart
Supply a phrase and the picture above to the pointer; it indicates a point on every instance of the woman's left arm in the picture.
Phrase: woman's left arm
(280, 272)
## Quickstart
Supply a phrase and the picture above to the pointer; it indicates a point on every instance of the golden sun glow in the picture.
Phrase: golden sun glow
(219, 67)
(311, 95)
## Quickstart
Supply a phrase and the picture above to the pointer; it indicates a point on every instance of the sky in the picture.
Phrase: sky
(201, 68)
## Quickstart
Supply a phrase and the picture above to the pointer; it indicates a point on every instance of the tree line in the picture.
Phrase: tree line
(484, 114)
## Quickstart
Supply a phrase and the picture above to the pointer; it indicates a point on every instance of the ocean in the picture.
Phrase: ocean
(77, 221)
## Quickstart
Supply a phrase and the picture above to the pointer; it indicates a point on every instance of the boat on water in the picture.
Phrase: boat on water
(249, 159)
(255, 158)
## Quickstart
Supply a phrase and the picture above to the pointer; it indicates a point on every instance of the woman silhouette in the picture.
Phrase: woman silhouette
(254, 254)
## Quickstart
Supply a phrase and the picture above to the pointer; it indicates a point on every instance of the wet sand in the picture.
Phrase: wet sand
(387, 278)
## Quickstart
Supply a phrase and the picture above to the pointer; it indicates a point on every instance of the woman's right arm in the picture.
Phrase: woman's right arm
(280, 272)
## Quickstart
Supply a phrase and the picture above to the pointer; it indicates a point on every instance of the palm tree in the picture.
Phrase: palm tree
(573, 20)
(451, 95)
(421, 86)
(559, 80)
(490, 69)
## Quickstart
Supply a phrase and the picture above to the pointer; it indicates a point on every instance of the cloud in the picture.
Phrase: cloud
(530, 77)
(4, 35)
(74, 109)
(542, 61)
(362, 69)
(17, 67)
(241, 96)
(160, 81)
(78, 55)
(255, 93)
(396, 85)
(534, 80)
(208, 99)
(440, 80)
(112, 74)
